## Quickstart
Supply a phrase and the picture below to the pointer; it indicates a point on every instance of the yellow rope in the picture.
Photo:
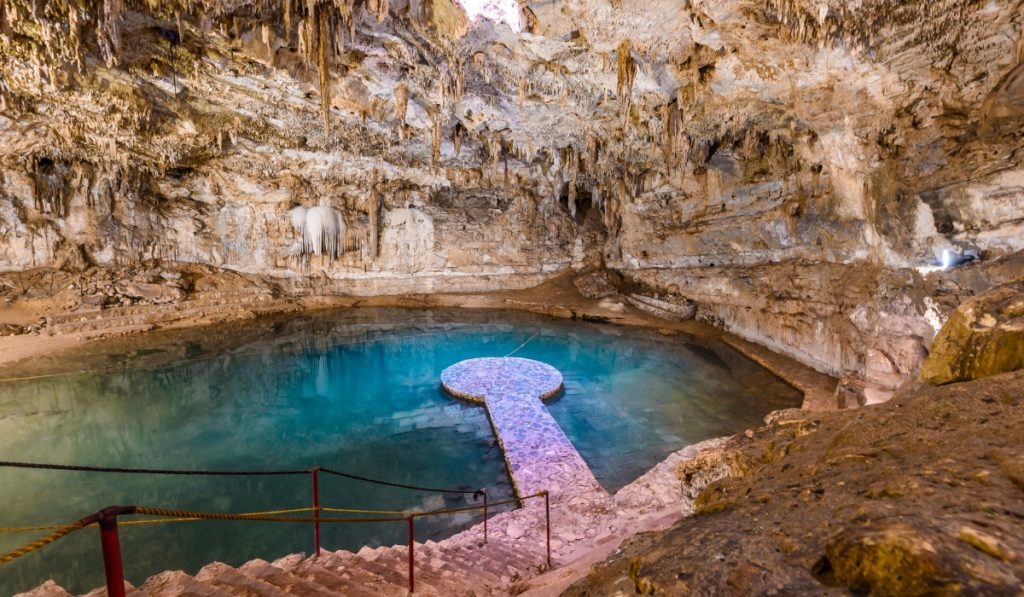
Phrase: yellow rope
(30, 547)
(47, 527)
(173, 515)
(193, 516)
(163, 520)
(355, 511)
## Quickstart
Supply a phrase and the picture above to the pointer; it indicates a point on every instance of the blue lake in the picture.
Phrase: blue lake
(353, 390)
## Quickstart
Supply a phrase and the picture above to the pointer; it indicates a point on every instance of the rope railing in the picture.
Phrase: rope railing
(474, 492)
(107, 519)
(222, 473)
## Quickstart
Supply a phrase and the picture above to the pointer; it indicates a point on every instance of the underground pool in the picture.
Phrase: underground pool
(354, 390)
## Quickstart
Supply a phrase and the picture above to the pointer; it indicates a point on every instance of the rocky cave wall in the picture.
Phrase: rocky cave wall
(787, 165)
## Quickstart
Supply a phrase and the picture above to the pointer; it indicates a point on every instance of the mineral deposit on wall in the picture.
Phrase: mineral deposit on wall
(786, 165)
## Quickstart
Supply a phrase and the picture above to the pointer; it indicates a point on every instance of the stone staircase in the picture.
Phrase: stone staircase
(461, 565)
(587, 526)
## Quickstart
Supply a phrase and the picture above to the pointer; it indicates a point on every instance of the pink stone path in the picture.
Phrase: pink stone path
(537, 452)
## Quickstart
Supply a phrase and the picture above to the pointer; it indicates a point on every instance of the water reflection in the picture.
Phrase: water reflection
(353, 390)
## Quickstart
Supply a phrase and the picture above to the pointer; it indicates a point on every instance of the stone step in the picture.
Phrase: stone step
(314, 570)
(358, 565)
(284, 580)
(129, 590)
(175, 583)
(351, 567)
(390, 572)
(475, 569)
(47, 589)
(499, 558)
(427, 579)
(233, 582)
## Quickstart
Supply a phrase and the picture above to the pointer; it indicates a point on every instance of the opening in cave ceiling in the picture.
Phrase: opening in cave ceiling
(499, 11)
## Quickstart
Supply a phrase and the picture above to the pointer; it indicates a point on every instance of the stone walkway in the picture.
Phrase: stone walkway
(537, 452)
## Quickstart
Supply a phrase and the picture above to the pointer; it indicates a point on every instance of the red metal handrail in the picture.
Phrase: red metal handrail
(111, 545)
(316, 511)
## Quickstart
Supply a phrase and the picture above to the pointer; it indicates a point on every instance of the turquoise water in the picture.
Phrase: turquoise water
(355, 391)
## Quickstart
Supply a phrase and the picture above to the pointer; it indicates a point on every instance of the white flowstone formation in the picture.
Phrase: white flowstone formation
(321, 228)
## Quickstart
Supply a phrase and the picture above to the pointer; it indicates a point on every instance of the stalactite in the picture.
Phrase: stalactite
(590, 157)
(323, 69)
(458, 134)
(375, 215)
(556, 174)
(286, 11)
(572, 164)
(528, 19)
(346, 8)
(674, 145)
(494, 150)
(74, 37)
(379, 9)
(108, 31)
(436, 142)
(459, 80)
(401, 101)
(505, 178)
(304, 40)
(626, 75)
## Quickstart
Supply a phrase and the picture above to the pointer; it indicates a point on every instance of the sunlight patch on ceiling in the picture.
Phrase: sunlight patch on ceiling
(499, 11)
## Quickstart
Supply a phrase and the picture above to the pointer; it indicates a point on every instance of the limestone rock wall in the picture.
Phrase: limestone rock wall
(788, 166)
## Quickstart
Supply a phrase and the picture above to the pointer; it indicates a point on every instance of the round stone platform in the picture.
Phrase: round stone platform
(537, 452)
(478, 379)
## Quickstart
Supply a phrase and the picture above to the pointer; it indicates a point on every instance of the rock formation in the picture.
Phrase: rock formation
(783, 168)
(920, 495)
(985, 336)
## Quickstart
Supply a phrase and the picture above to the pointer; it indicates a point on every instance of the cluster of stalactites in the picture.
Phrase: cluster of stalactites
(861, 23)
(321, 36)
(320, 26)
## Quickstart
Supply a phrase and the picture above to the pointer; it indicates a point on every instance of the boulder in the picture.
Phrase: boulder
(153, 293)
(983, 337)
(599, 284)
(888, 559)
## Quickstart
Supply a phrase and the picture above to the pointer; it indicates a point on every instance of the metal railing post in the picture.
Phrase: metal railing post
(412, 541)
(316, 511)
(485, 514)
(547, 523)
(113, 567)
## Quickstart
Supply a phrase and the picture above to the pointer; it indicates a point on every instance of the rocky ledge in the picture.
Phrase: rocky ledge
(921, 495)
